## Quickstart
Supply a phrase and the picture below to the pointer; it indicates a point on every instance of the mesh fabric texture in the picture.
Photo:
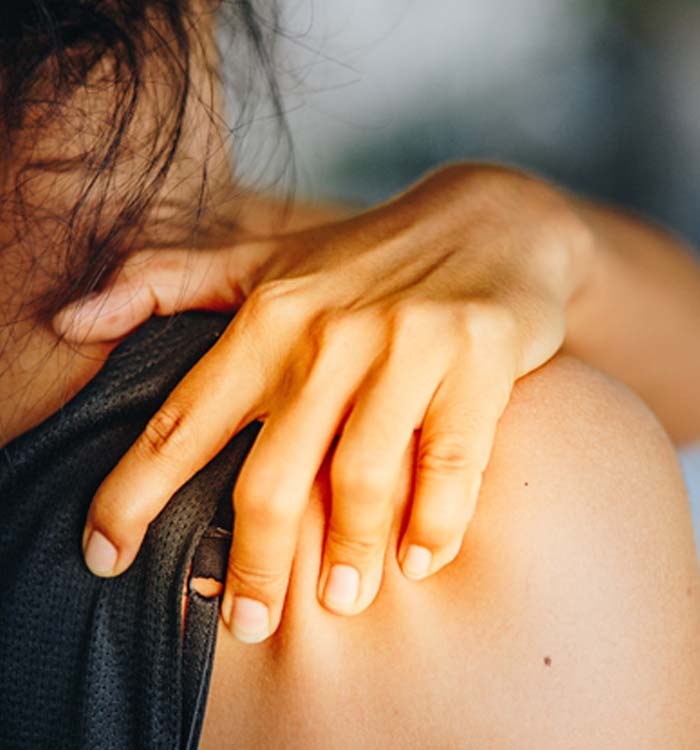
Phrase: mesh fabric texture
(98, 663)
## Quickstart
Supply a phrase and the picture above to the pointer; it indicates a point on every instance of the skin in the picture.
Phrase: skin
(502, 291)
(577, 580)
(643, 292)
(498, 314)
(569, 619)
(621, 540)
(499, 262)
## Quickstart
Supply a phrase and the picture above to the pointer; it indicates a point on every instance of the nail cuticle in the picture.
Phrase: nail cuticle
(100, 554)
(416, 562)
(342, 587)
(249, 620)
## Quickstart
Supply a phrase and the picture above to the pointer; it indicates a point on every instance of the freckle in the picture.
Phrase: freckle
(689, 591)
(548, 661)
(527, 484)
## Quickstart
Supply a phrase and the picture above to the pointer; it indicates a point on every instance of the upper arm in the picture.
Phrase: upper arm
(569, 619)
(584, 549)
(637, 317)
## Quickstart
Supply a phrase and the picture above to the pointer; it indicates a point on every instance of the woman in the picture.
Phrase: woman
(555, 623)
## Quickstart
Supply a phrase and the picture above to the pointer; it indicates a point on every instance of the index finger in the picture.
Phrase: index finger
(211, 404)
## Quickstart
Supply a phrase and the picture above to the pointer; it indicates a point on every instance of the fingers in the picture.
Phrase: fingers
(162, 282)
(187, 431)
(453, 451)
(270, 497)
(364, 473)
(272, 492)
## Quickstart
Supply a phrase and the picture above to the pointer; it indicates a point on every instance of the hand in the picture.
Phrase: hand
(417, 315)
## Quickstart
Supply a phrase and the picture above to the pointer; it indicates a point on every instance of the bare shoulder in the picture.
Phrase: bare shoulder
(585, 539)
(578, 445)
(571, 617)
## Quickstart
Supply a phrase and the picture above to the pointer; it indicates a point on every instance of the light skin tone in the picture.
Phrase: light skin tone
(569, 619)
(576, 585)
(499, 289)
(334, 342)
(502, 264)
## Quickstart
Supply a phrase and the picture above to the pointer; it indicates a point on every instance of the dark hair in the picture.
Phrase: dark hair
(49, 49)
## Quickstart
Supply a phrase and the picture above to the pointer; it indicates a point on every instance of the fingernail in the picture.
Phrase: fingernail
(250, 622)
(416, 561)
(100, 554)
(342, 586)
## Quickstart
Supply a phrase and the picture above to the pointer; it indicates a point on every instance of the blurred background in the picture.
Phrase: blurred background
(602, 96)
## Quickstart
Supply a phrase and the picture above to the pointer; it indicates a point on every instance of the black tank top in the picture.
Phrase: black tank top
(101, 663)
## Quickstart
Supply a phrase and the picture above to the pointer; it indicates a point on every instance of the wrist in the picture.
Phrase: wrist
(556, 247)
(572, 242)
(561, 242)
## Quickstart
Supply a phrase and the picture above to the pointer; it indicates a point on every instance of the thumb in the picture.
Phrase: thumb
(163, 282)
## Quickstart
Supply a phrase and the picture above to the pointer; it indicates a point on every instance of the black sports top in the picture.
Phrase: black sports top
(101, 663)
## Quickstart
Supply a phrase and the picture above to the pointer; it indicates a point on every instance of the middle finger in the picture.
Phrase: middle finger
(367, 464)
(275, 482)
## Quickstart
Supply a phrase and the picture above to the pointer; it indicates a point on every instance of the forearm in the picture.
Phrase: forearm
(636, 315)
(631, 290)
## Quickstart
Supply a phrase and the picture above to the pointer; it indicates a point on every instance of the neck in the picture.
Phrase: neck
(38, 371)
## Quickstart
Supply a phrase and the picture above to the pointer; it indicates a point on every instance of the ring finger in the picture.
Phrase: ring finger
(453, 450)
(365, 470)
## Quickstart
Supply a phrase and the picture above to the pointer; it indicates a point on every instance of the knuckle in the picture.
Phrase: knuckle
(410, 318)
(365, 479)
(262, 508)
(355, 548)
(273, 300)
(485, 322)
(332, 328)
(248, 578)
(167, 432)
(422, 323)
(333, 334)
(268, 292)
(444, 454)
